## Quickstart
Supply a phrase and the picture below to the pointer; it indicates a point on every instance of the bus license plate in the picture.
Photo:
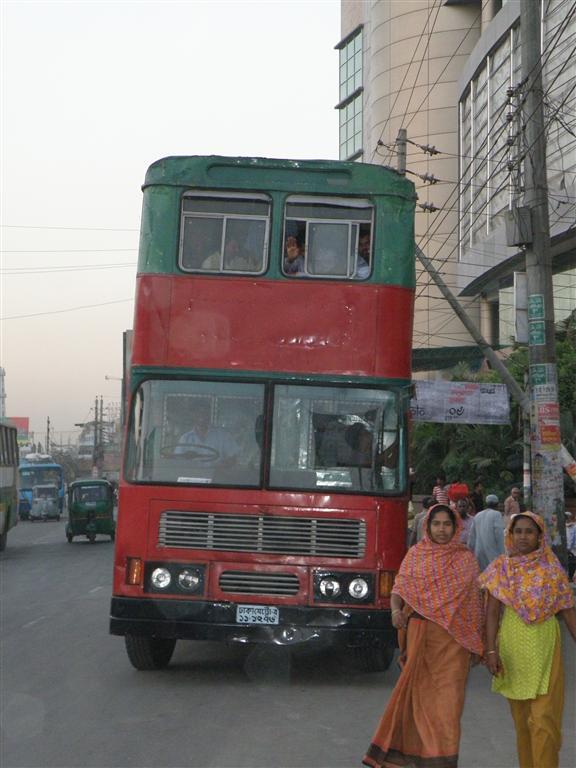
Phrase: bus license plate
(257, 614)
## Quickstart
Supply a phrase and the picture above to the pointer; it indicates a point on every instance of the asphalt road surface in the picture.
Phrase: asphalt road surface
(70, 697)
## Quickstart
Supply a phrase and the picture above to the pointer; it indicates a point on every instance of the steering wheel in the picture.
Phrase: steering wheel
(196, 452)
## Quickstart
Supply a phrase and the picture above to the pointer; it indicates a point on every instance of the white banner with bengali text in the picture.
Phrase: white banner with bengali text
(460, 402)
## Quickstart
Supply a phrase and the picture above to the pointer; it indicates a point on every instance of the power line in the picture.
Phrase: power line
(77, 229)
(70, 309)
(70, 250)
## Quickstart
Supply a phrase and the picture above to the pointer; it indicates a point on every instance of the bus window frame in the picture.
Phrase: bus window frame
(350, 202)
(209, 195)
(401, 436)
(267, 444)
(4, 452)
(133, 452)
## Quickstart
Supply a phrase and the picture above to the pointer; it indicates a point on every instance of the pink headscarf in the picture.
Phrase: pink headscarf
(440, 582)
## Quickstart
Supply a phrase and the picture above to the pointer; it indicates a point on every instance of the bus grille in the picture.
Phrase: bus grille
(238, 583)
(327, 537)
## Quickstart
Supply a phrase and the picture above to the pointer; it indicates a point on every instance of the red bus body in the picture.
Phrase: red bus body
(262, 328)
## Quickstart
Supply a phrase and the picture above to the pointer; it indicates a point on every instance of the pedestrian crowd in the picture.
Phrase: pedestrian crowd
(477, 585)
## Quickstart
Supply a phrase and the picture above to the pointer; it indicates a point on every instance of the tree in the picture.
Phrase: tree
(494, 453)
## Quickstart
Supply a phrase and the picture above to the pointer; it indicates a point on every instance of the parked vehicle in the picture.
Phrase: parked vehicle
(8, 481)
(45, 503)
(90, 509)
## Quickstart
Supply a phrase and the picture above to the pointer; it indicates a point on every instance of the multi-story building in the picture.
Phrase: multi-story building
(446, 71)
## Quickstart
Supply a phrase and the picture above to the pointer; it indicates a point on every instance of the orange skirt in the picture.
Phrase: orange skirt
(421, 724)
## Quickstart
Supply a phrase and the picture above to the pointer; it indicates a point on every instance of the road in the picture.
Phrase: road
(70, 697)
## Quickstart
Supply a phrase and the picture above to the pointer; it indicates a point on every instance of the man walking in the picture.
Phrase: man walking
(512, 504)
(486, 537)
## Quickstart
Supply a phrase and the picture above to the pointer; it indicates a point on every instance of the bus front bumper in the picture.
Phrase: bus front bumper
(203, 620)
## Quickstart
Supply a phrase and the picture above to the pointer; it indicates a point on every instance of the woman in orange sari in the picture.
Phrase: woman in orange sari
(437, 611)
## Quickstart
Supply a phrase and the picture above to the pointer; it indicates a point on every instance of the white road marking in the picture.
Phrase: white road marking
(31, 623)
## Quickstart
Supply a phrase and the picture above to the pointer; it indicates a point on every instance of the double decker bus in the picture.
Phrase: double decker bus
(38, 469)
(8, 481)
(264, 487)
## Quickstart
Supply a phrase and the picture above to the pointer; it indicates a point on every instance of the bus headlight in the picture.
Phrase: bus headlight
(160, 578)
(189, 580)
(358, 589)
(329, 587)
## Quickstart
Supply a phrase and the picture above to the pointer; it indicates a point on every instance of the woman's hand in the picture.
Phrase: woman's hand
(399, 620)
(493, 663)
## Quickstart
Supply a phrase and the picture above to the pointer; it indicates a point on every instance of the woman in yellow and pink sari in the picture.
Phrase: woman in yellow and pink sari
(437, 609)
(527, 588)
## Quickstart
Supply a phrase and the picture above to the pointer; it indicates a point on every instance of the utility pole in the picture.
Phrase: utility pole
(547, 480)
(401, 149)
(48, 435)
(95, 451)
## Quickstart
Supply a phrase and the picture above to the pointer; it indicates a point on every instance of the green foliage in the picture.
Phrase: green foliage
(494, 453)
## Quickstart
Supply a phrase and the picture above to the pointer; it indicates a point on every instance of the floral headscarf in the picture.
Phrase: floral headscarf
(534, 585)
(439, 581)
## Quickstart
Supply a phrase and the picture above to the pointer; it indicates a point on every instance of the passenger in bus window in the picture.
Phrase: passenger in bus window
(238, 259)
(328, 261)
(209, 445)
(201, 243)
(360, 440)
(363, 259)
(293, 256)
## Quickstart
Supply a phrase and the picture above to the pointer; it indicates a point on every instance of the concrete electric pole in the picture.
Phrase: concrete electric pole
(547, 480)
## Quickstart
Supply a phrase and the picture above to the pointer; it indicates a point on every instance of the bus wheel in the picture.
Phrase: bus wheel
(91, 536)
(3, 540)
(375, 658)
(69, 537)
(149, 652)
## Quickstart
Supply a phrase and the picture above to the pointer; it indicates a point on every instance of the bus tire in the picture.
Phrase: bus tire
(3, 540)
(69, 537)
(147, 653)
(373, 658)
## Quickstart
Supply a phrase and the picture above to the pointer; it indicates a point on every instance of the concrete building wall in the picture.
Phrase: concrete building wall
(414, 53)
(441, 69)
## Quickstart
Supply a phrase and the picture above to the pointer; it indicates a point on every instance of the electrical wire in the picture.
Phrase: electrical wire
(70, 309)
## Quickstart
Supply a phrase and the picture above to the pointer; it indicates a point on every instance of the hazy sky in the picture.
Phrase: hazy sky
(92, 94)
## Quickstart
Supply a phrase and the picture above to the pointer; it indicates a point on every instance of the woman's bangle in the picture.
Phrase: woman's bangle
(489, 652)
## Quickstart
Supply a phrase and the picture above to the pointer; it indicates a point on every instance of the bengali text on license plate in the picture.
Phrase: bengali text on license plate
(257, 614)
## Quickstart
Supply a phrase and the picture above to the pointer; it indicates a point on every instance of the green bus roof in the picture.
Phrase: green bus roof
(323, 176)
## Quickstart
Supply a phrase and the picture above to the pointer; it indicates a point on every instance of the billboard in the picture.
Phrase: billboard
(22, 424)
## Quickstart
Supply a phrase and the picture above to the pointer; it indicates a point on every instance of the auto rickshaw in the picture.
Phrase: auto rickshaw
(45, 502)
(90, 509)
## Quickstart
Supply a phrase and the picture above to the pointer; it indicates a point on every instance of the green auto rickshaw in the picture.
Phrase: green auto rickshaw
(90, 509)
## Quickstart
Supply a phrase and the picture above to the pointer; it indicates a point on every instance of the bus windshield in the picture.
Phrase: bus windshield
(335, 437)
(31, 476)
(196, 432)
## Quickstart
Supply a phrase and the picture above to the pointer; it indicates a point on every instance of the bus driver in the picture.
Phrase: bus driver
(221, 445)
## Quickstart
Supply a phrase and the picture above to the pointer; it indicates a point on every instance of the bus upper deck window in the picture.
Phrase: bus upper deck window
(328, 238)
(224, 234)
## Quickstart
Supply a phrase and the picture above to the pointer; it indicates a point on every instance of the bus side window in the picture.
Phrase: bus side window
(221, 235)
(327, 238)
(201, 244)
